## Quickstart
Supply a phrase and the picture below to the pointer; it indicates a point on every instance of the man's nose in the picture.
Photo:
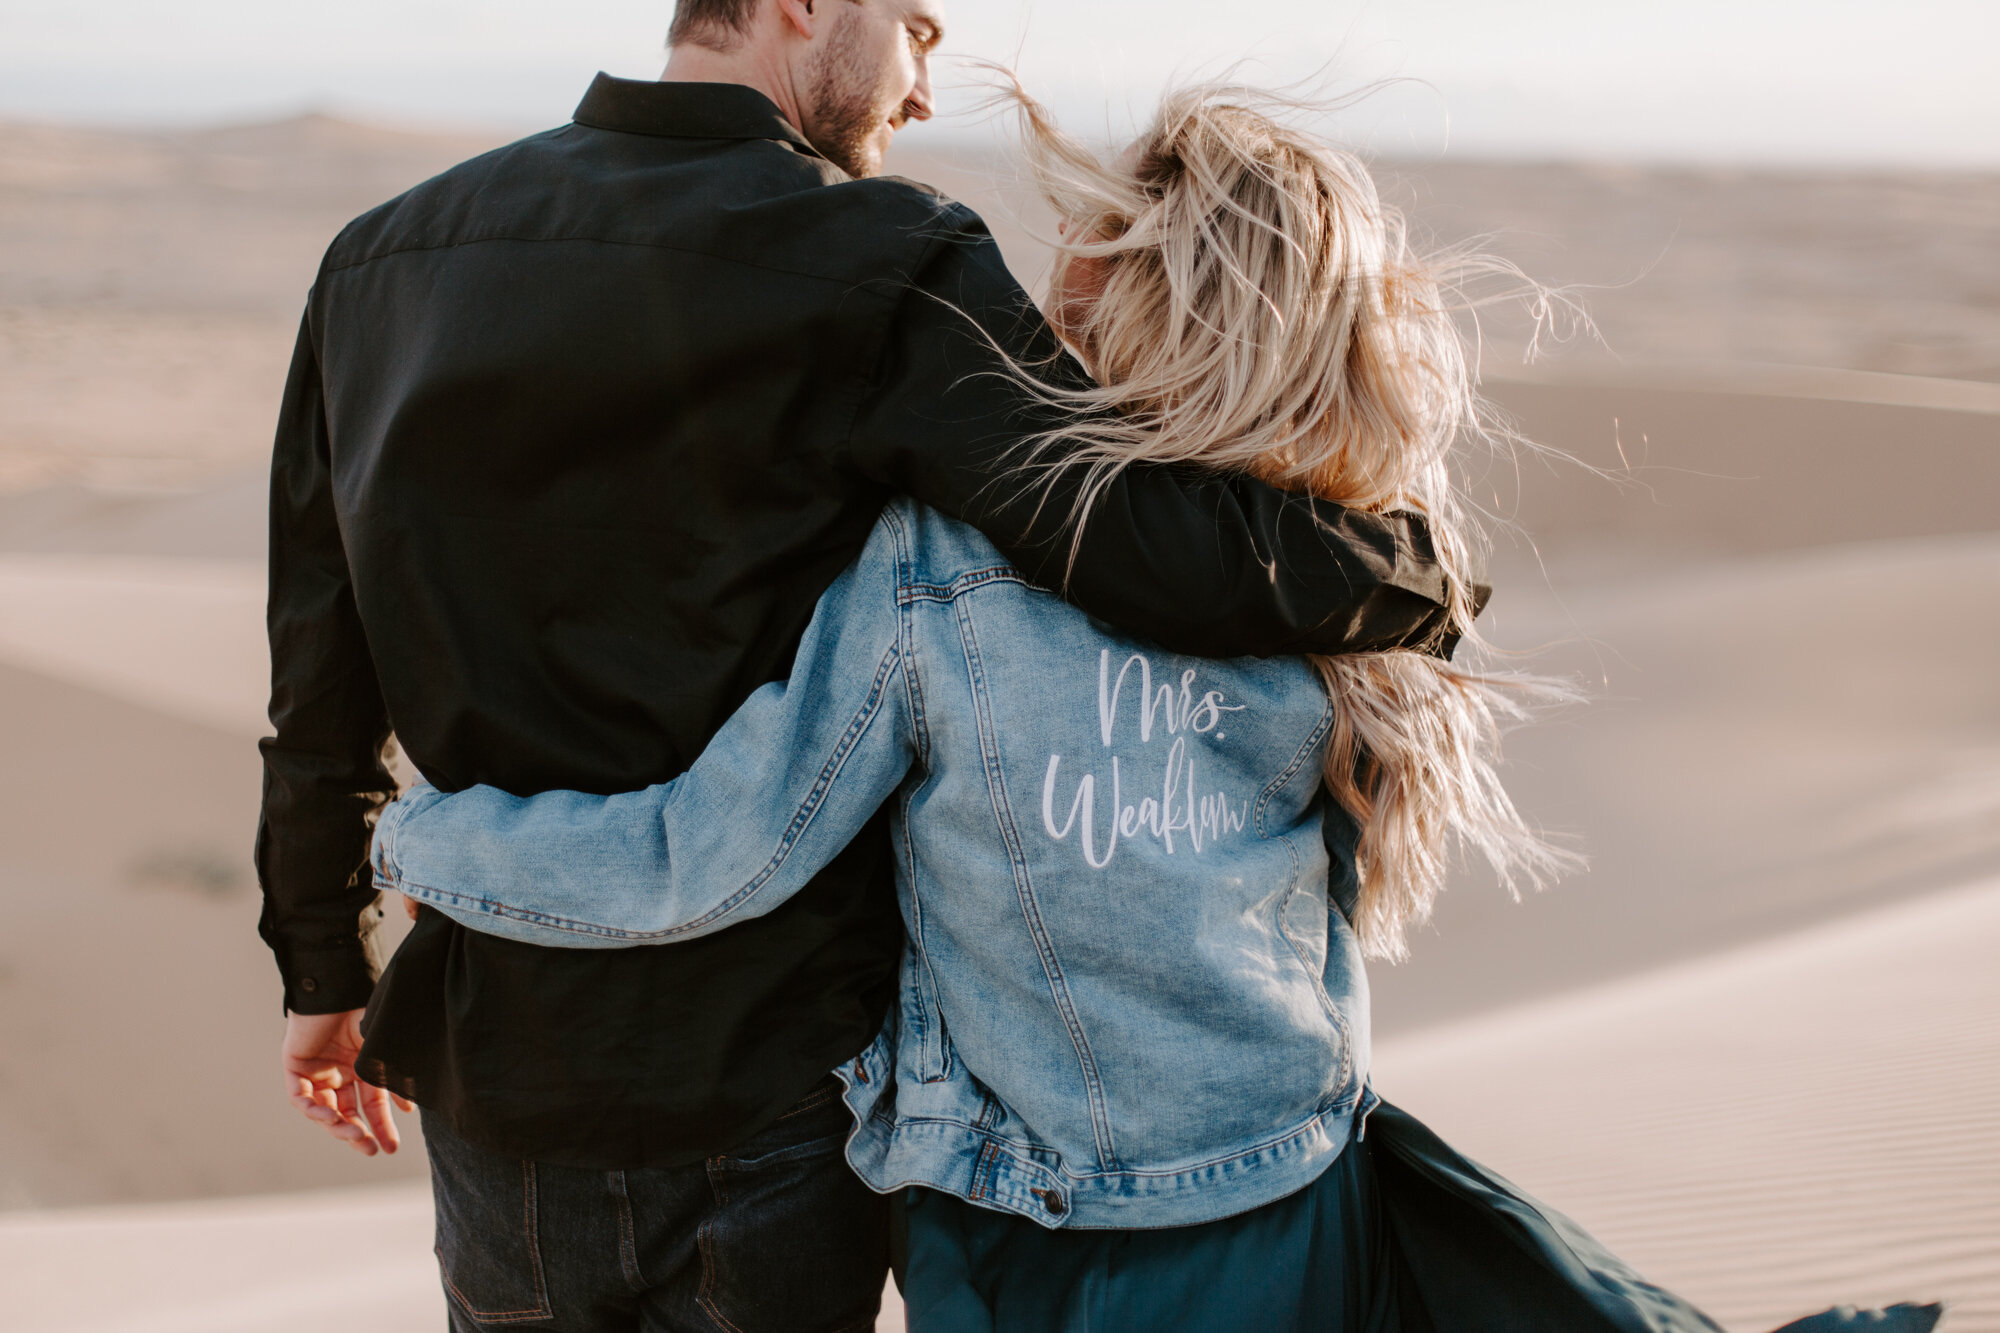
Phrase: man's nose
(921, 104)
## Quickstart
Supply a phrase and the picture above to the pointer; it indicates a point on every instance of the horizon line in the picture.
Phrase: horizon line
(983, 136)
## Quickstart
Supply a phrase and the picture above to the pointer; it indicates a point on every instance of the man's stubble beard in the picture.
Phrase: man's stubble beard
(846, 115)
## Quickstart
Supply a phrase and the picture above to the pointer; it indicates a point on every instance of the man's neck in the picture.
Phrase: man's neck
(749, 63)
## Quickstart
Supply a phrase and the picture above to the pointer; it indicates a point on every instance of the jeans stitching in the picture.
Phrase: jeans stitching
(530, 1215)
(628, 1240)
(483, 1317)
(705, 1242)
(531, 1182)
(813, 1101)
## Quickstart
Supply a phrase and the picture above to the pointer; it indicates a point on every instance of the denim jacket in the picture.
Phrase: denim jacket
(1125, 1001)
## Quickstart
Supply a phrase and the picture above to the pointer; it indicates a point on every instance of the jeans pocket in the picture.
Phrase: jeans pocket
(795, 1243)
(488, 1247)
(816, 1124)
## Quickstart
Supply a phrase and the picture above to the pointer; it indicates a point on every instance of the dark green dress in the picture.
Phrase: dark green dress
(1400, 1235)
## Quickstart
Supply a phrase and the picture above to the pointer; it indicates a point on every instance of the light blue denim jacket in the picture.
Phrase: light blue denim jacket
(1124, 999)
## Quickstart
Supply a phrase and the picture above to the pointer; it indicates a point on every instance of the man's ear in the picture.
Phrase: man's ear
(798, 15)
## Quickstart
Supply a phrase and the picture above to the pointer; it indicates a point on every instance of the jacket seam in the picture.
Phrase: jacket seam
(799, 145)
(1024, 891)
(1341, 1029)
(1291, 770)
(464, 242)
(1342, 1032)
(801, 821)
(929, 1014)
(906, 632)
(962, 584)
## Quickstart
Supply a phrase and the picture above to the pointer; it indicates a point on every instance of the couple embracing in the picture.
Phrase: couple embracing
(910, 777)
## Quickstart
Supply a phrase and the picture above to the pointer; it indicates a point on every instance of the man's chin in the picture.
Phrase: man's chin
(855, 151)
(872, 154)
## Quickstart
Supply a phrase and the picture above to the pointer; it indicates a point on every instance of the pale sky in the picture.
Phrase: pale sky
(1897, 81)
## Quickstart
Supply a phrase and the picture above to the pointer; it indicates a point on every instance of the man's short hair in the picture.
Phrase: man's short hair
(710, 22)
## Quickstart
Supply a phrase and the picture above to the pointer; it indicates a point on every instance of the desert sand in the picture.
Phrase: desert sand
(1763, 1129)
(1755, 1046)
(1767, 1128)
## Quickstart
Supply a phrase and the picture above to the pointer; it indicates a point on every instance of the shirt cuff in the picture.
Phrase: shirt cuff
(330, 980)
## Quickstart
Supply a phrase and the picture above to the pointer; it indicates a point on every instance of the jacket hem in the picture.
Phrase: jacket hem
(891, 1152)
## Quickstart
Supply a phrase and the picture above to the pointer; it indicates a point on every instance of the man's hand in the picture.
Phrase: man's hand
(318, 1055)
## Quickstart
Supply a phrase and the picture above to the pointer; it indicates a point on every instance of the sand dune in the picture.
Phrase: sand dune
(224, 221)
(185, 636)
(221, 519)
(1765, 749)
(1700, 466)
(328, 1262)
(150, 286)
(1726, 784)
(1727, 781)
(1881, 271)
(1884, 271)
(139, 1013)
(1767, 1130)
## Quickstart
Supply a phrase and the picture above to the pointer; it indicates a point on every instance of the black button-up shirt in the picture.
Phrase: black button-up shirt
(575, 436)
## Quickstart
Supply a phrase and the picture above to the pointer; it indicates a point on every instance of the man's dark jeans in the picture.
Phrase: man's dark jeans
(774, 1236)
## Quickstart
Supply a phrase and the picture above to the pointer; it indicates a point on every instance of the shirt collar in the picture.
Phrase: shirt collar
(685, 111)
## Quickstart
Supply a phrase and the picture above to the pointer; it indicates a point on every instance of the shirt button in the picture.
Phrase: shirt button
(308, 985)
(1051, 1201)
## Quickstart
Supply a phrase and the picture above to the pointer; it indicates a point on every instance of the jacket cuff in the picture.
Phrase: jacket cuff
(332, 980)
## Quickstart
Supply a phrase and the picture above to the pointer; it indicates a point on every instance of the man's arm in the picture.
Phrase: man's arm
(323, 774)
(787, 782)
(1203, 563)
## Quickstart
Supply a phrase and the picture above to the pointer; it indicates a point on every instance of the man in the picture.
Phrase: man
(574, 438)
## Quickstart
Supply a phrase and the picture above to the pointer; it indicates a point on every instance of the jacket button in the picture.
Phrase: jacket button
(1051, 1201)
(859, 1072)
(308, 985)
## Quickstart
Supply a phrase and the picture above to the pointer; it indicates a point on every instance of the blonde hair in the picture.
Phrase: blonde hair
(1258, 308)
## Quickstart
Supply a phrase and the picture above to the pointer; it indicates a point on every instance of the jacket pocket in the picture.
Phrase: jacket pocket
(1302, 918)
(922, 1017)
(1305, 920)
(923, 1020)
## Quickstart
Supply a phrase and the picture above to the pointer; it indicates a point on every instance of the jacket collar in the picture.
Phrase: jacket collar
(685, 111)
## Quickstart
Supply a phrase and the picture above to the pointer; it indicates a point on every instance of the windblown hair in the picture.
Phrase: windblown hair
(1251, 304)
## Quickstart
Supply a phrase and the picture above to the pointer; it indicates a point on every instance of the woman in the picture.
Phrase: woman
(1126, 1082)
